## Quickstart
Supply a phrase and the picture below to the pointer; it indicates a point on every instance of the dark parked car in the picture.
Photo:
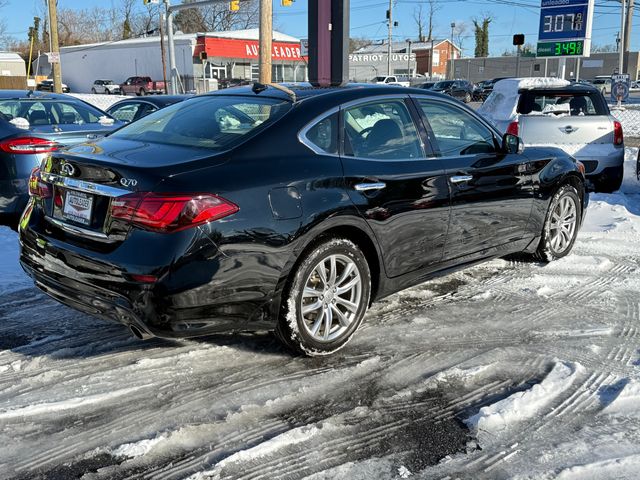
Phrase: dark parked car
(426, 85)
(460, 89)
(47, 86)
(132, 109)
(232, 82)
(289, 210)
(486, 87)
(32, 125)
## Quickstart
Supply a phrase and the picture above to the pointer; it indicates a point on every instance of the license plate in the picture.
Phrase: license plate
(78, 207)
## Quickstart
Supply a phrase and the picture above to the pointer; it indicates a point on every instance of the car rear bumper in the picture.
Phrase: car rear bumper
(597, 160)
(199, 289)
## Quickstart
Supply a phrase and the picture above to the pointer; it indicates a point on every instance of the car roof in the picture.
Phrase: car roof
(34, 95)
(305, 91)
(158, 100)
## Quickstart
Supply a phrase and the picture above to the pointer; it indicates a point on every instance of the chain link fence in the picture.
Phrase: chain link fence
(629, 117)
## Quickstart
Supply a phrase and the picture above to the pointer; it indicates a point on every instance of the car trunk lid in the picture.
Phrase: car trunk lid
(87, 179)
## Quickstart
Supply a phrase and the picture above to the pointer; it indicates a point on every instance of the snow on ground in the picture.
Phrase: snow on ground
(541, 361)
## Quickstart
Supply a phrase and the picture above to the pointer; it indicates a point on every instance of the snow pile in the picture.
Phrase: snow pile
(627, 401)
(138, 449)
(501, 105)
(13, 277)
(527, 404)
(624, 468)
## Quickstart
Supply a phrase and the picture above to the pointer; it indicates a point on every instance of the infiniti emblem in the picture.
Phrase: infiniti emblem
(128, 182)
(67, 169)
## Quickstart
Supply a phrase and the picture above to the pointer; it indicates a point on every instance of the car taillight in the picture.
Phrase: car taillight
(28, 145)
(170, 213)
(37, 188)
(618, 137)
(513, 128)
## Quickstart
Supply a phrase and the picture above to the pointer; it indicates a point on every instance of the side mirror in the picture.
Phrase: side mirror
(512, 144)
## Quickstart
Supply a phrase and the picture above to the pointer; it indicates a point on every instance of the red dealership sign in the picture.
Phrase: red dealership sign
(249, 49)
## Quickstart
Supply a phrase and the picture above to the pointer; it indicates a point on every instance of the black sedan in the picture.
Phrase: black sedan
(131, 109)
(257, 208)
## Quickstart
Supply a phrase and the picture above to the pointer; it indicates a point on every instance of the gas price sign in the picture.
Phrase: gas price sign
(565, 28)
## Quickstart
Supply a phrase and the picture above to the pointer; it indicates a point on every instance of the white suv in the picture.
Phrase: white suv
(105, 86)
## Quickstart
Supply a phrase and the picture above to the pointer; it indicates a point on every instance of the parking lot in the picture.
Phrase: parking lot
(551, 351)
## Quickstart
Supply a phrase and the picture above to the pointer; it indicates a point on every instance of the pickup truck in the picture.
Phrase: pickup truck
(141, 86)
(390, 80)
(573, 117)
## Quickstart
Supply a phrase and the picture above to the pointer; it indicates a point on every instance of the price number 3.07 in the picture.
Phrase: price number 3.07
(565, 22)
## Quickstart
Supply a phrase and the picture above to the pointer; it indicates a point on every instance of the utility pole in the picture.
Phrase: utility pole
(266, 37)
(622, 37)
(390, 19)
(409, 59)
(55, 46)
(629, 25)
(164, 58)
(453, 53)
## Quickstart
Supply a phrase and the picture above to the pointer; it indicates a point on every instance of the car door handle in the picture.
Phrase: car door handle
(461, 178)
(365, 187)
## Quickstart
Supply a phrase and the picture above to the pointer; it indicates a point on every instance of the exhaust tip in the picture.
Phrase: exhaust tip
(139, 334)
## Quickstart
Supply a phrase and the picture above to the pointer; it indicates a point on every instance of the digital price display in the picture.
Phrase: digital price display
(566, 22)
(565, 28)
(572, 48)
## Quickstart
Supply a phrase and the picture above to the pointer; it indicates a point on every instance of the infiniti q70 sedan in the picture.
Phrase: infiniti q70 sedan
(289, 208)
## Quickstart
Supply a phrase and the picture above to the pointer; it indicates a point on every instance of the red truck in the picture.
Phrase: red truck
(141, 86)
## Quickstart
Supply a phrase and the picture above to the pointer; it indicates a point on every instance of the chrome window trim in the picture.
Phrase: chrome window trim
(302, 134)
(82, 186)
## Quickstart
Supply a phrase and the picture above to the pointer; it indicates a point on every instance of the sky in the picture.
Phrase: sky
(368, 19)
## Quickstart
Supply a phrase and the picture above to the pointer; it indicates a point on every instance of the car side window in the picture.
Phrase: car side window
(456, 131)
(125, 113)
(324, 134)
(381, 130)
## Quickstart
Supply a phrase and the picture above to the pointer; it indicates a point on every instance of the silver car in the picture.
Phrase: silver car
(573, 117)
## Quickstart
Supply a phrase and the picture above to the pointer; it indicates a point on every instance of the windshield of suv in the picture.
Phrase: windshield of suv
(578, 103)
(217, 121)
(443, 84)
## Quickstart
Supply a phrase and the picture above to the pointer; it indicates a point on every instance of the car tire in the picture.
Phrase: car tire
(558, 235)
(467, 97)
(336, 317)
(93, 90)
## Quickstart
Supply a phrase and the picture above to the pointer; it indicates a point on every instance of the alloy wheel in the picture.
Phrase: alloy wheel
(331, 298)
(562, 224)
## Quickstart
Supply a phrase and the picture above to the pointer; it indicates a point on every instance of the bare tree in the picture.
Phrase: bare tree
(460, 34)
(433, 8)
(4, 37)
(190, 20)
(218, 17)
(418, 17)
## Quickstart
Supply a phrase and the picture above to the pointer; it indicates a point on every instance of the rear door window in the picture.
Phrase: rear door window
(125, 113)
(381, 130)
(557, 103)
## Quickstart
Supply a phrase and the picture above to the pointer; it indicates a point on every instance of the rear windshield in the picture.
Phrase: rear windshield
(50, 112)
(217, 121)
(575, 104)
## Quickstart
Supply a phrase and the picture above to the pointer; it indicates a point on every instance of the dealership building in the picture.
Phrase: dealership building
(229, 54)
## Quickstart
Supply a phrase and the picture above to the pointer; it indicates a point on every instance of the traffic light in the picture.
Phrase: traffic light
(234, 5)
(286, 3)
